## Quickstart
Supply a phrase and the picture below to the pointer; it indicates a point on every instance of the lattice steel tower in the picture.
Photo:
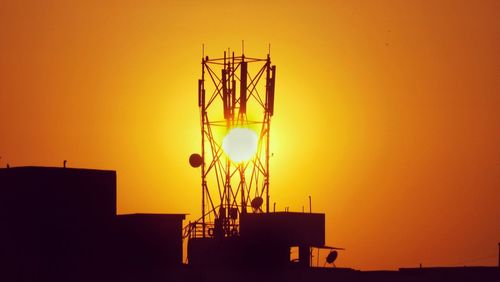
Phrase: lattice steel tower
(236, 101)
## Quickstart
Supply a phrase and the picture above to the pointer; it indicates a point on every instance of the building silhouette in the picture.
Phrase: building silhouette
(60, 224)
(264, 241)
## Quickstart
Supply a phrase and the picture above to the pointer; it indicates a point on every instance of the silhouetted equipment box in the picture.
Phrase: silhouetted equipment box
(290, 228)
(149, 240)
(264, 241)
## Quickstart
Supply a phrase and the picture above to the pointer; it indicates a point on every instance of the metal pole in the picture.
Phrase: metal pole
(243, 187)
(310, 205)
(267, 165)
(203, 181)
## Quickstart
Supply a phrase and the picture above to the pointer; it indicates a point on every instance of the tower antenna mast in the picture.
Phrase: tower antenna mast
(235, 96)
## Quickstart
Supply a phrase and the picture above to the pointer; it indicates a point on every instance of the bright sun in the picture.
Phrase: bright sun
(240, 144)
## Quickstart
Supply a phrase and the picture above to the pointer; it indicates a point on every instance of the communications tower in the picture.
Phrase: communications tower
(236, 102)
(237, 227)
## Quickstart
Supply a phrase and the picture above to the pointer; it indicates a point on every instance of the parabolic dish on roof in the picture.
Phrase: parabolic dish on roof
(257, 203)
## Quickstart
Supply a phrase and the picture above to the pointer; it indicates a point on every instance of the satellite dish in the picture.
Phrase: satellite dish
(257, 203)
(332, 256)
(195, 160)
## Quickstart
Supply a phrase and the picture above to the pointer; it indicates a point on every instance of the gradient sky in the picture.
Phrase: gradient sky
(387, 112)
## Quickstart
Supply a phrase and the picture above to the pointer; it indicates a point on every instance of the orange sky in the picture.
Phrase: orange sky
(387, 112)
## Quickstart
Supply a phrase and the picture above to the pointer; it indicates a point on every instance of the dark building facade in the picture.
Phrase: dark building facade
(149, 240)
(264, 240)
(60, 224)
(55, 221)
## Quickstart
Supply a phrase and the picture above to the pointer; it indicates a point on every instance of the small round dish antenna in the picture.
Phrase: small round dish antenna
(257, 204)
(332, 256)
(195, 160)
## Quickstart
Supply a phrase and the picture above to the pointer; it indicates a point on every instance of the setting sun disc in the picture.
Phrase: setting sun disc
(240, 144)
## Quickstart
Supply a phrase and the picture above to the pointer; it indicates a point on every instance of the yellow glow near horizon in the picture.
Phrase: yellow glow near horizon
(240, 144)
